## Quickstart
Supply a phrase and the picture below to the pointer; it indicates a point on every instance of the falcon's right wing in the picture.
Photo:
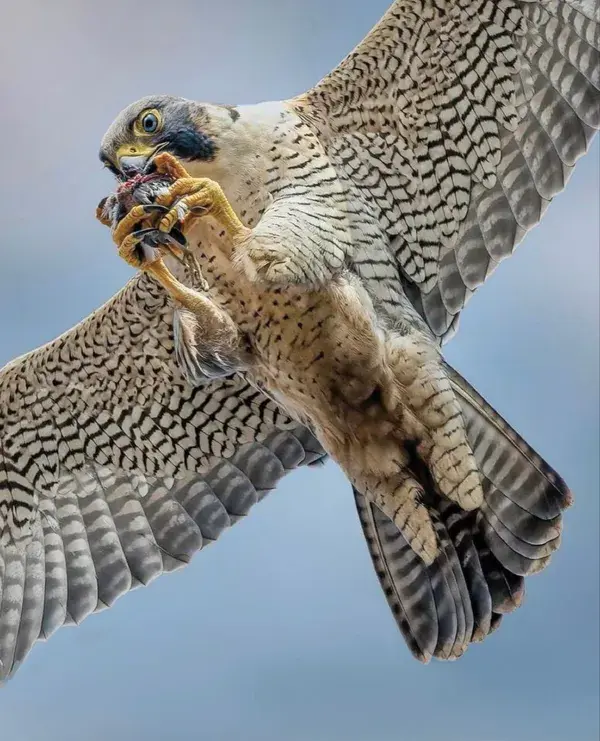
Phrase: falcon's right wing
(113, 470)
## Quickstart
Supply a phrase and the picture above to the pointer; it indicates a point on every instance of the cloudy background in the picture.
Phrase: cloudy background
(279, 632)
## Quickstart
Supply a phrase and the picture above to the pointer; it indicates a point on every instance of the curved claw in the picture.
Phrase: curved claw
(150, 207)
(179, 237)
(174, 241)
(150, 239)
(155, 237)
(199, 210)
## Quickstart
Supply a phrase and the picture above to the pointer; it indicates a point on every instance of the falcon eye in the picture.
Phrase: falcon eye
(149, 123)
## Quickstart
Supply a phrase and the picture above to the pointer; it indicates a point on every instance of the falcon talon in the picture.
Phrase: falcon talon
(153, 239)
(179, 237)
(155, 208)
(154, 235)
(150, 231)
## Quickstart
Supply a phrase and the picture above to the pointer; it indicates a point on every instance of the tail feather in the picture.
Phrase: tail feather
(406, 584)
(484, 555)
(496, 620)
(456, 588)
(529, 528)
(513, 531)
(513, 542)
(445, 596)
(439, 609)
(506, 460)
(505, 552)
(459, 528)
(506, 589)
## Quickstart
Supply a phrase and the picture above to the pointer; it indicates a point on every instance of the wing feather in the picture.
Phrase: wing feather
(113, 470)
(488, 105)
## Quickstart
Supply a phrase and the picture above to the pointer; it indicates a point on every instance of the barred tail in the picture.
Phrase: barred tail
(485, 554)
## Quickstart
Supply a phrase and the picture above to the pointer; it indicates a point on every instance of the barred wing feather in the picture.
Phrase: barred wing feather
(456, 123)
(113, 471)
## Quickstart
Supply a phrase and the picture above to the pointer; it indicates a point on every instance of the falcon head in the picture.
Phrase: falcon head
(191, 131)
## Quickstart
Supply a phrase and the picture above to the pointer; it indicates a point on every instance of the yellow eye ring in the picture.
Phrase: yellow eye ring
(148, 122)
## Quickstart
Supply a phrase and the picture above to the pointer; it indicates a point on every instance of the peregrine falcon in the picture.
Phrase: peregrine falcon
(301, 265)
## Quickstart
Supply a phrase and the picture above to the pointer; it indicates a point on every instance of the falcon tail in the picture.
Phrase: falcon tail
(485, 554)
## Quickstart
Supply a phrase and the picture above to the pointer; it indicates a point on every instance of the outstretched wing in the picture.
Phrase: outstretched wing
(113, 470)
(456, 122)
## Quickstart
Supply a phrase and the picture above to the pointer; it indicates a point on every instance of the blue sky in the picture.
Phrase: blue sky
(279, 632)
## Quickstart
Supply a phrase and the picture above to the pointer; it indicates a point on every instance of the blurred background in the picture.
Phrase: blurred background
(279, 632)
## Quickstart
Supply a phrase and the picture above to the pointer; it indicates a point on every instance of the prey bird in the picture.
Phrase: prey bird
(301, 264)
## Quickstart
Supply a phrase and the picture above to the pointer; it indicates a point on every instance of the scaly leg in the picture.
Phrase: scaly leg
(139, 237)
(208, 344)
(129, 238)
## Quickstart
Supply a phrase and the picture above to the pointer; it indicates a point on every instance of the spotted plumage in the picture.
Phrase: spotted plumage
(401, 179)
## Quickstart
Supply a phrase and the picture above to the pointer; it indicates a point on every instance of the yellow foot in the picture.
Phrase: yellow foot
(190, 199)
(149, 230)
(129, 236)
(139, 240)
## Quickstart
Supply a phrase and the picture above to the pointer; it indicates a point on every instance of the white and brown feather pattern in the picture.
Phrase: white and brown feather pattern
(113, 471)
(456, 123)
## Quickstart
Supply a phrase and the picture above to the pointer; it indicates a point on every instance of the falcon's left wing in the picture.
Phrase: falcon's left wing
(454, 123)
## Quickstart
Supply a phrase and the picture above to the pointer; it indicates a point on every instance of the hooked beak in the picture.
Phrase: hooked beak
(132, 166)
(135, 160)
